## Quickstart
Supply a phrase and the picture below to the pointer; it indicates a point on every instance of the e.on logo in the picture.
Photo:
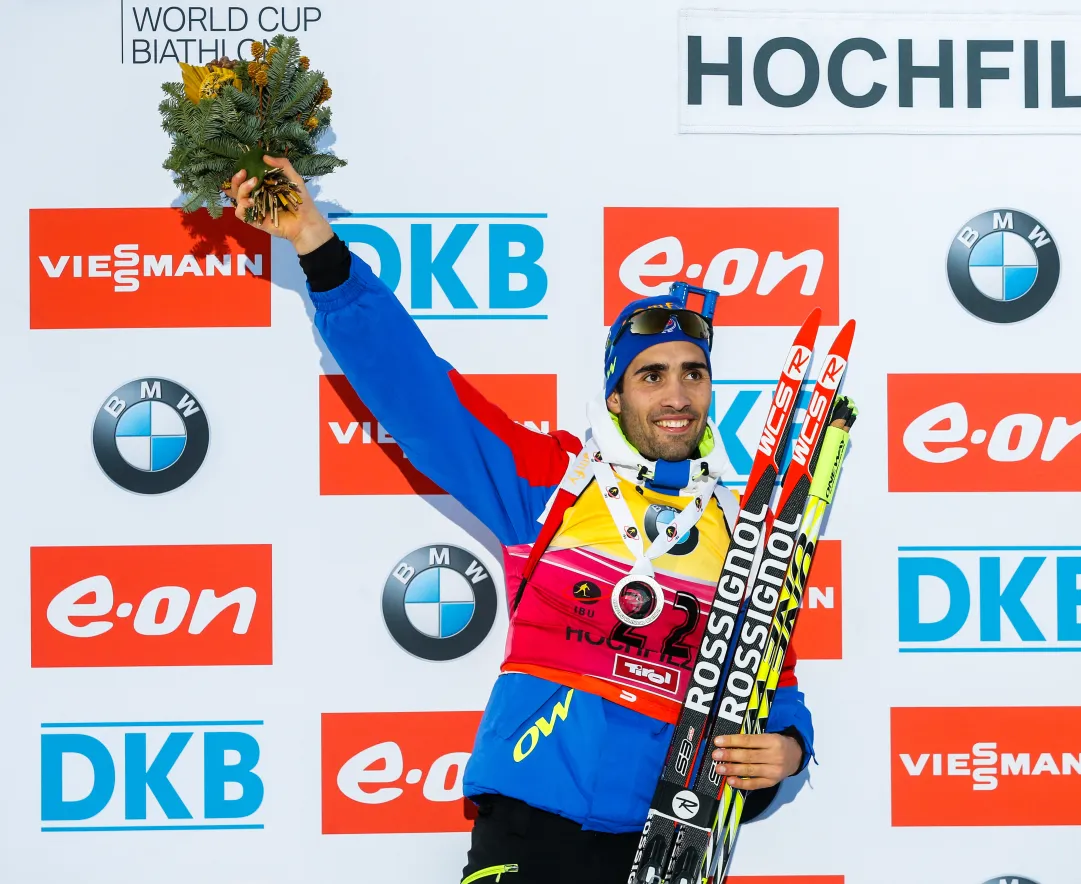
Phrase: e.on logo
(150, 605)
(146, 268)
(986, 766)
(770, 265)
(386, 772)
(358, 456)
(984, 432)
(818, 630)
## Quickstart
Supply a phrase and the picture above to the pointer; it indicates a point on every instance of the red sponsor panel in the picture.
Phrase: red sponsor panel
(786, 879)
(770, 265)
(150, 605)
(984, 432)
(146, 268)
(986, 766)
(358, 456)
(387, 772)
(818, 630)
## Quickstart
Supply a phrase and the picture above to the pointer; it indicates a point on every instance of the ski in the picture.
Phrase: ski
(677, 835)
(825, 472)
(661, 825)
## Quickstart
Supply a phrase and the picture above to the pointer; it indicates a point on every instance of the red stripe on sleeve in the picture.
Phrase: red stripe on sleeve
(539, 458)
(788, 671)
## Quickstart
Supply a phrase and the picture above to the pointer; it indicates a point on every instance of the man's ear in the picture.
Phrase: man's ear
(614, 404)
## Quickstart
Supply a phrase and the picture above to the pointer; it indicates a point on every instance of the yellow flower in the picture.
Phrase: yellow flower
(253, 69)
(270, 53)
(311, 123)
(260, 77)
(202, 82)
(304, 62)
(257, 49)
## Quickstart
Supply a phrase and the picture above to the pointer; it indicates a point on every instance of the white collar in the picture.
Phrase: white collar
(632, 466)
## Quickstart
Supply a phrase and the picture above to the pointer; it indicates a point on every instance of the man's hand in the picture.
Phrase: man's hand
(757, 761)
(305, 228)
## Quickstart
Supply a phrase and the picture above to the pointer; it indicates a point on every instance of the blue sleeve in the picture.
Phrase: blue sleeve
(789, 710)
(500, 471)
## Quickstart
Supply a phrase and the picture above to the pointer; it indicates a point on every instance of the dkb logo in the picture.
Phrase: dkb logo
(986, 598)
(117, 776)
(455, 266)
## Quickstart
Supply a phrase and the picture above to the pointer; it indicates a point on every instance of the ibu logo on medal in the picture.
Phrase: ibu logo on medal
(1003, 266)
(439, 602)
(151, 436)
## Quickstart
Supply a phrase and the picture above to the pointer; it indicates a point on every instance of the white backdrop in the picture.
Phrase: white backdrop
(563, 108)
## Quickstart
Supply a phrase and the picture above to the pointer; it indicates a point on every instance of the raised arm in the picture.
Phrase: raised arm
(502, 472)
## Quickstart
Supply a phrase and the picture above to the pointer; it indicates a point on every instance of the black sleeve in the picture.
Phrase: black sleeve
(327, 267)
(759, 799)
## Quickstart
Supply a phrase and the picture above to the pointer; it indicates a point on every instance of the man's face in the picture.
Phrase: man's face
(665, 401)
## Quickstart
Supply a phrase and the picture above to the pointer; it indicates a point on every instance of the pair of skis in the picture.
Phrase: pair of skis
(677, 838)
(824, 482)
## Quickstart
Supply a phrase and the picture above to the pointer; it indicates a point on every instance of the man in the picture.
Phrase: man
(603, 628)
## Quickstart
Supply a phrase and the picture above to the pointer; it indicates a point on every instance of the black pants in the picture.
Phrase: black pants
(546, 848)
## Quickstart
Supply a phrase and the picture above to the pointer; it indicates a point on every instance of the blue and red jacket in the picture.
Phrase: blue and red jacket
(601, 764)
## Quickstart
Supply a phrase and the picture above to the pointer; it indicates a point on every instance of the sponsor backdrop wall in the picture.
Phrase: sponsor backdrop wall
(244, 642)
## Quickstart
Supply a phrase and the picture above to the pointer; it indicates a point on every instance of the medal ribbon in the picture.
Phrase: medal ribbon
(667, 538)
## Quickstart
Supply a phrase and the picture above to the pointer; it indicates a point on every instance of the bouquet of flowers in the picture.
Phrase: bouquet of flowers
(225, 116)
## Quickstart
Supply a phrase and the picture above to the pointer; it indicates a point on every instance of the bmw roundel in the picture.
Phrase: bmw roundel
(662, 518)
(1003, 266)
(151, 435)
(439, 602)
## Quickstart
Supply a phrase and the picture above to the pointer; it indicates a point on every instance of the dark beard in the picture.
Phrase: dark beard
(640, 434)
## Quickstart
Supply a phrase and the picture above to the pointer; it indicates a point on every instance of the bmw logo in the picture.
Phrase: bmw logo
(661, 518)
(151, 436)
(439, 602)
(1003, 266)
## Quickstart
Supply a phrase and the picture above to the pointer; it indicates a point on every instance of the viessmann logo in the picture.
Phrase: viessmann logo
(986, 766)
(382, 772)
(771, 266)
(146, 268)
(984, 432)
(358, 456)
(150, 605)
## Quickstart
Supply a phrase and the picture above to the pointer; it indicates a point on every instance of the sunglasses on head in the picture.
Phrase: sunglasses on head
(654, 320)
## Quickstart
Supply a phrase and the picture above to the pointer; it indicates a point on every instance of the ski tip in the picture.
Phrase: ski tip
(809, 330)
(843, 341)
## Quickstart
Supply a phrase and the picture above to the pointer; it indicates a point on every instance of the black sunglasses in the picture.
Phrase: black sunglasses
(654, 320)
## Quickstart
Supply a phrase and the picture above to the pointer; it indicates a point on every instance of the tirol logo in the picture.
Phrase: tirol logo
(146, 268)
(150, 605)
(984, 432)
(439, 602)
(653, 675)
(768, 71)
(986, 766)
(151, 436)
(1003, 266)
(199, 34)
(383, 772)
(988, 598)
(358, 456)
(455, 266)
(115, 776)
(771, 266)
